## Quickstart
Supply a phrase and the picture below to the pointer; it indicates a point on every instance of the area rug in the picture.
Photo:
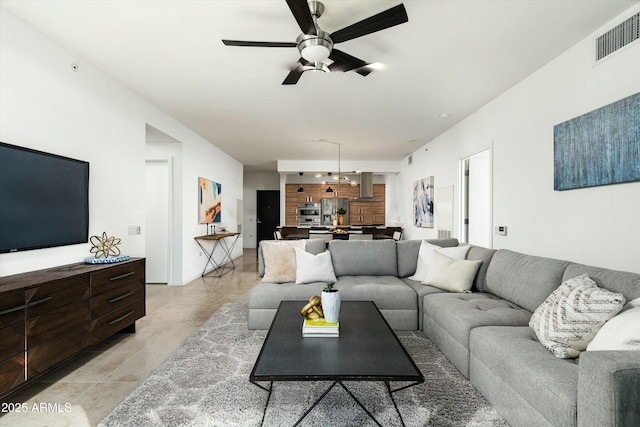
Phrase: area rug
(206, 383)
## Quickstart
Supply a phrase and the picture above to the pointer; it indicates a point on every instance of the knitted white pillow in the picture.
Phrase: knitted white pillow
(570, 317)
(280, 260)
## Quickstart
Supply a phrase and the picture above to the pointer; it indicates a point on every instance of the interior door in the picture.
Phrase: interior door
(477, 200)
(158, 196)
(268, 213)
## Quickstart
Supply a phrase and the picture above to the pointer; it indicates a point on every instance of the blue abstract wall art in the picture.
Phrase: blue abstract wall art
(599, 148)
(423, 202)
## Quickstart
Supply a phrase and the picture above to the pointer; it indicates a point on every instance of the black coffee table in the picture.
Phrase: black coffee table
(367, 350)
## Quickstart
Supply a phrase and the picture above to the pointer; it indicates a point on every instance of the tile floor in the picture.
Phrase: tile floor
(85, 390)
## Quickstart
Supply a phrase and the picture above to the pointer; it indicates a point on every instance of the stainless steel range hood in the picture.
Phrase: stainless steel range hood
(366, 188)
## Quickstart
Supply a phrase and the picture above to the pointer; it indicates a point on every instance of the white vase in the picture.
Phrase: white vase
(331, 306)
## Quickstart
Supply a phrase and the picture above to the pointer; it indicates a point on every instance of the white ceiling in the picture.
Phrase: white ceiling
(452, 56)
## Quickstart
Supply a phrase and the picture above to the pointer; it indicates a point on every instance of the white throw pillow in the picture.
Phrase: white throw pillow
(314, 268)
(622, 332)
(455, 252)
(570, 317)
(280, 260)
(453, 275)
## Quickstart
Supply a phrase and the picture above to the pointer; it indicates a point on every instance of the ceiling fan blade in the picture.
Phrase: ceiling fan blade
(302, 13)
(383, 20)
(257, 44)
(293, 77)
(344, 62)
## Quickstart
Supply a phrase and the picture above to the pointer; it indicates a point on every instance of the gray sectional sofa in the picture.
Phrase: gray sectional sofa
(485, 334)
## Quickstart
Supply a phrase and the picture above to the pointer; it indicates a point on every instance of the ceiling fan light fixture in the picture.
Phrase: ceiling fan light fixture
(315, 48)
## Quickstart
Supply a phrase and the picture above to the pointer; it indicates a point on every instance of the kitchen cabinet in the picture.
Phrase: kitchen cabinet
(371, 212)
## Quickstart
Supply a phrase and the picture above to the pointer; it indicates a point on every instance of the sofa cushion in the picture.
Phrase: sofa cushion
(570, 317)
(628, 284)
(280, 260)
(267, 295)
(388, 292)
(424, 257)
(421, 290)
(620, 333)
(485, 255)
(508, 363)
(453, 275)
(523, 279)
(314, 268)
(312, 246)
(364, 257)
(408, 253)
(449, 318)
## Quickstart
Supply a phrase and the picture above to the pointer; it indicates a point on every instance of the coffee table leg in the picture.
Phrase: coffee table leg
(362, 406)
(316, 403)
(266, 405)
(394, 401)
(388, 385)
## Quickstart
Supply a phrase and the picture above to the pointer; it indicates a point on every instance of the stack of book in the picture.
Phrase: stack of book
(320, 328)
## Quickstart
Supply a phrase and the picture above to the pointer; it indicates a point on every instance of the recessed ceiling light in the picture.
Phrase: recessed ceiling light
(445, 115)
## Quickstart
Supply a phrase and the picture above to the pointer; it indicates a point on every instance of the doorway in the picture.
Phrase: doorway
(476, 203)
(267, 213)
(158, 198)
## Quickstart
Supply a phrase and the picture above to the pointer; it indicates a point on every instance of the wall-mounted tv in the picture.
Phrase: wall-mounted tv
(44, 199)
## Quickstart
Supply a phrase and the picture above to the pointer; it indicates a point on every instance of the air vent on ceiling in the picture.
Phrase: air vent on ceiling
(618, 37)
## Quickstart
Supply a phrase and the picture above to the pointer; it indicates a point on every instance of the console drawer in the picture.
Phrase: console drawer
(51, 297)
(11, 341)
(43, 328)
(103, 281)
(109, 324)
(116, 298)
(57, 350)
(12, 309)
(11, 372)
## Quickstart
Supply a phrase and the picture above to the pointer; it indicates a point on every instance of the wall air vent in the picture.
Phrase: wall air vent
(618, 37)
(410, 159)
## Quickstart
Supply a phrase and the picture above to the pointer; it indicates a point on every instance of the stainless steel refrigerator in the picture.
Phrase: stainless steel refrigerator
(330, 206)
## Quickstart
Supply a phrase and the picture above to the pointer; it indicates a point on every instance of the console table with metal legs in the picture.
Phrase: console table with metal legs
(219, 240)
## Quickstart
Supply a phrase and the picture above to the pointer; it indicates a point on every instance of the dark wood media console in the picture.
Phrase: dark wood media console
(49, 316)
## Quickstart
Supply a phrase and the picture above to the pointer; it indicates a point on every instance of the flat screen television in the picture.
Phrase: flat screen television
(44, 199)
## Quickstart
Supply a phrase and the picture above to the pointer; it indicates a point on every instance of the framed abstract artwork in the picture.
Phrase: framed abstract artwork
(423, 202)
(209, 201)
(598, 148)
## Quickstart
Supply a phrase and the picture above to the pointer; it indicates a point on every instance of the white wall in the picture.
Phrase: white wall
(597, 226)
(85, 114)
(254, 181)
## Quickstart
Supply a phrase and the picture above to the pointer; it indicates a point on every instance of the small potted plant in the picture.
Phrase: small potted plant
(341, 212)
(330, 303)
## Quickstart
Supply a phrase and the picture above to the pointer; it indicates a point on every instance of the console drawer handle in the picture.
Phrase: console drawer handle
(34, 303)
(13, 309)
(122, 276)
(121, 297)
(124, 316)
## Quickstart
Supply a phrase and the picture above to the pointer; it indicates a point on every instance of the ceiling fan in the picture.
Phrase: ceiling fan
(316, 45)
